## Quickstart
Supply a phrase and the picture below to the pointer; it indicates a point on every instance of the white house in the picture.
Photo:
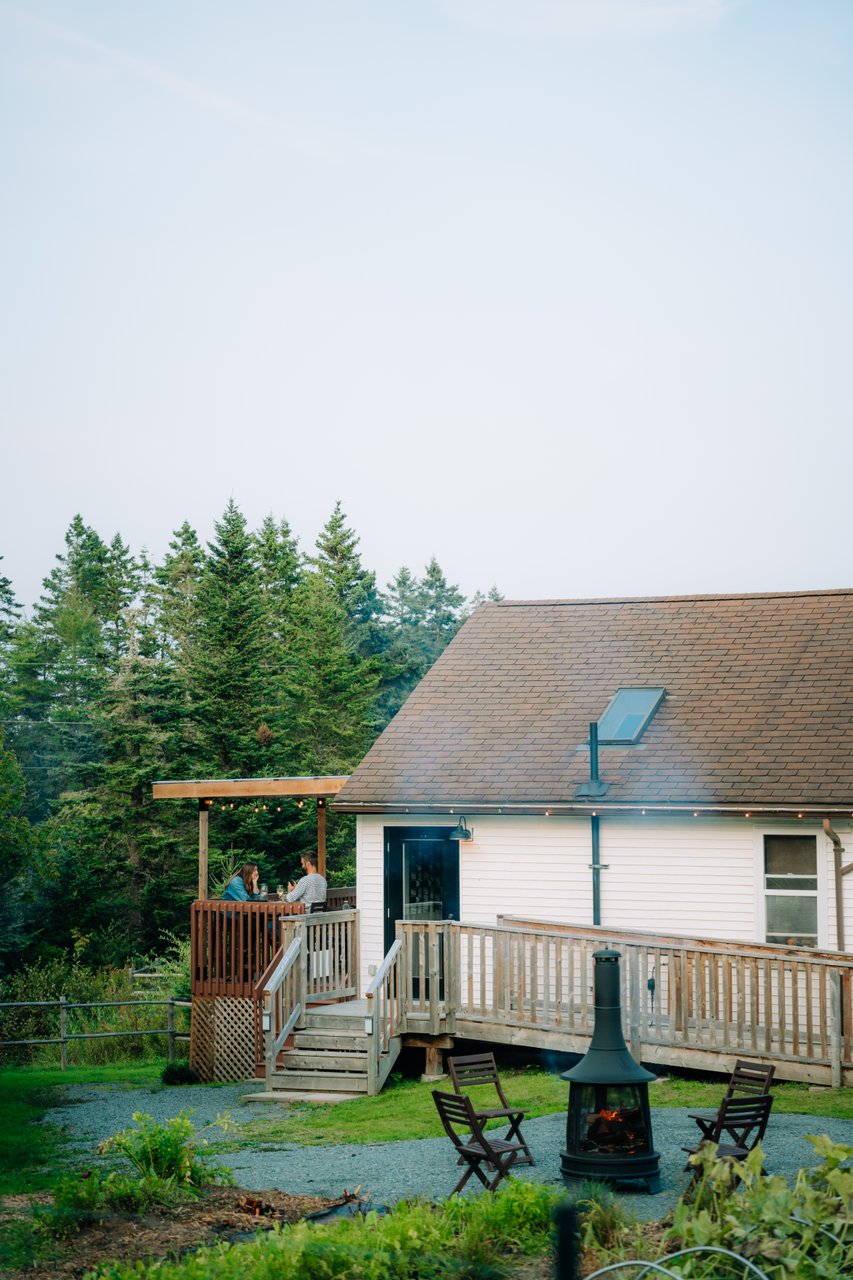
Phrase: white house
(724, 800)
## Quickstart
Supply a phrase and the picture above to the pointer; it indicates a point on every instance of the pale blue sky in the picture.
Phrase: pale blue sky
(558, 291)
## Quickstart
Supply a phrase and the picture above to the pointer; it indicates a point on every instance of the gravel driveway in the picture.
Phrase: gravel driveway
(391, 1171)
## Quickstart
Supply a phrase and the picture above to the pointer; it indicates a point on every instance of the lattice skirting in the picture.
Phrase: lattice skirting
(222, 1038)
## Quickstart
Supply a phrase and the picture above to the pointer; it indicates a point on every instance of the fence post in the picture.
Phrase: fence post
(566, 1218)
(63, 1031)
(171, 1028)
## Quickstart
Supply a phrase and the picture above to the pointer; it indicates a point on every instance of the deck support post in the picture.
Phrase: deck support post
(836, 1039)
(321, 836)
(202, 849)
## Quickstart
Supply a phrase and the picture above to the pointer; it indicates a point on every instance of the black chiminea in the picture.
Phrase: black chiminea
(609, 1124)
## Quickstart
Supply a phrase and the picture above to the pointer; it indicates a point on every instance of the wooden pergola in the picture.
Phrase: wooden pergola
(208, 790)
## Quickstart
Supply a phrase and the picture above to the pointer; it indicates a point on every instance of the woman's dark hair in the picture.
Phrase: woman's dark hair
(246, 874)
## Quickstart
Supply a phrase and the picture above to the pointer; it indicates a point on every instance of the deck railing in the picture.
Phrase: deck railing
(233, 944)
(279, 999)
(682, 999)
(384, 1018)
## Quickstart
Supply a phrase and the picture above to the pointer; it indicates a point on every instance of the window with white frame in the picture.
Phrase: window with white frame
(790, 890)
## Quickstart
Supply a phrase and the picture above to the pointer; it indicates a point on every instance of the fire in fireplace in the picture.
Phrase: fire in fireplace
(609, 1126)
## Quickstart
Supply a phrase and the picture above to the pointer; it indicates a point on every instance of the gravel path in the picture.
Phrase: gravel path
(391, 1171)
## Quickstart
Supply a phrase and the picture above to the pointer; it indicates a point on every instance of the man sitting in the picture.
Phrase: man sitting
(311, 888)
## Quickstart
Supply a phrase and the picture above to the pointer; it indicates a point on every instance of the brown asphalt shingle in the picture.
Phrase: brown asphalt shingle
(758, 707)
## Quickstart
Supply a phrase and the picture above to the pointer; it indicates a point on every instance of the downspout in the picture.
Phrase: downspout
(840, 872)
(596, 870)
(594, 825)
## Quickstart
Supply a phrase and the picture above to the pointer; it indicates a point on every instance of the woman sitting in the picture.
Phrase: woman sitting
(244, 886)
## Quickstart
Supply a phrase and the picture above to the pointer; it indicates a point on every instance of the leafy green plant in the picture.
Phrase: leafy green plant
(171, 1151)
(804, 1230)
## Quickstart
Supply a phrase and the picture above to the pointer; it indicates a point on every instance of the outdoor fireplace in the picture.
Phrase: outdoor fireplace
(609, 1124)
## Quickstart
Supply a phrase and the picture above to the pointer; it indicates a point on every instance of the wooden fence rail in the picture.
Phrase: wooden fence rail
(65, 1037)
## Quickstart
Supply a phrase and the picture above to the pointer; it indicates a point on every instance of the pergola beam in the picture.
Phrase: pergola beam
(207, 789)
(229, 788)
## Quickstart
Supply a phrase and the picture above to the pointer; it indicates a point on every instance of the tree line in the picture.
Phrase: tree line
(243, 658)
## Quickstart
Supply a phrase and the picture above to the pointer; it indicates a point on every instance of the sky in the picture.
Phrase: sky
(557, 291)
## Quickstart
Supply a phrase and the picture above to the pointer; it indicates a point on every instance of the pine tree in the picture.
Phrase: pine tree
(10, 613)
(16, 847)
(232, 659)
(442, 606)
(173, 595)
(329, 686)
(354, 587)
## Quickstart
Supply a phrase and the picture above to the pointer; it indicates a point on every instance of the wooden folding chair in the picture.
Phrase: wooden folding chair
(740, 1124)
(747, 1079)
(480, 1068)
(477, 1148)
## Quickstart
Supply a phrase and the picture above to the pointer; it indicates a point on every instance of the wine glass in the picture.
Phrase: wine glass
(263, 890)
(280, 890)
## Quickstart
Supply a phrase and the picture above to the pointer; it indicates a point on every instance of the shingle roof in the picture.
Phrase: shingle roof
(758, 707)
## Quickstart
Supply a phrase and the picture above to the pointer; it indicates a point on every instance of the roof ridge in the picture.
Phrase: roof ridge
(692, 599)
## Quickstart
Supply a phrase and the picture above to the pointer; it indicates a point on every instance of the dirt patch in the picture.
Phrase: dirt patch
(222, 1214)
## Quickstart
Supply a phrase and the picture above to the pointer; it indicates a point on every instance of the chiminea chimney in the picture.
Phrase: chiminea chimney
(609, 1126)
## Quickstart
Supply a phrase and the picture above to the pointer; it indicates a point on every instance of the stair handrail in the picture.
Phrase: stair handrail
(281, 990)
(384, 1018)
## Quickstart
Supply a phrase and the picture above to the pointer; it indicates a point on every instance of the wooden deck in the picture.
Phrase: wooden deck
(686, 1002)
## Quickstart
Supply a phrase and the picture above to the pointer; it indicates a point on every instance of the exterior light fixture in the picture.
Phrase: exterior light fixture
(461, 832)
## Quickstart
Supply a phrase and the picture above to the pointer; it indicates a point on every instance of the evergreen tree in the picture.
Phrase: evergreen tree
(329, 686)
(173, 595)
(353, 586)
(441, 605)
(231, 663)
(10, 613)
(16, 847)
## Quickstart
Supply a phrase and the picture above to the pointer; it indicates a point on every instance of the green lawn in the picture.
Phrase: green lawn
(405, 1109)
(31, 1153)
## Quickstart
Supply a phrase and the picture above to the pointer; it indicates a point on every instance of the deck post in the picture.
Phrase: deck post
(321, 836)
(202, 849)
(835, 1036)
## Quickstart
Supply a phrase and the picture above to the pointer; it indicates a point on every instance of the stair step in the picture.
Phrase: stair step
(334, 1021)
(321, 1081)
(306, 1060)
(330, 1041)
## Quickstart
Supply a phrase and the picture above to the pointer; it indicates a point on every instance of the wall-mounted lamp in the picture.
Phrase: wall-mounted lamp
(461, 832)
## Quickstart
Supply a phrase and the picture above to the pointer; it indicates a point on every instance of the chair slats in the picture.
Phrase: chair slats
(475, 1147)
(471, 1070)
(740, 1124)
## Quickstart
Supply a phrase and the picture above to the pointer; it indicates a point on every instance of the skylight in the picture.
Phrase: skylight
(627, 714)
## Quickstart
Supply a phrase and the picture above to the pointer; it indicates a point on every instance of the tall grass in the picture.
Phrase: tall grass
(48, 980)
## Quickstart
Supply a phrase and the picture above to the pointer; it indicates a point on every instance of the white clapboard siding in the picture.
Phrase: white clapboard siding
(699, 877)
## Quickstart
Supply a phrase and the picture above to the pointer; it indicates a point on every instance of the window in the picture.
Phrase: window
(628, 713)
(790, 890)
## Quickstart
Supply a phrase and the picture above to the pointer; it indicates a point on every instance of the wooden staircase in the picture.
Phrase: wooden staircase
(330, 1052)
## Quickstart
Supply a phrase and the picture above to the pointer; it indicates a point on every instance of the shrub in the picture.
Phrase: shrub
(170, 1151)
(178, 1072)
(805, 1230)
